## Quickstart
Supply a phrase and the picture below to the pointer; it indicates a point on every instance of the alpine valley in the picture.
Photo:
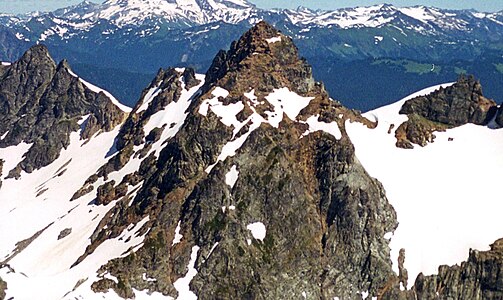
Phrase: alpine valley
(122, 43)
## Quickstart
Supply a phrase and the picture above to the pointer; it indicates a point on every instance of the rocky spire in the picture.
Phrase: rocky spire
(260, 179)
(267, 57)
(42, 103)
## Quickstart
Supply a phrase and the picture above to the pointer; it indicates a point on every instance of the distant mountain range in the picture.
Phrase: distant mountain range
(120, 44)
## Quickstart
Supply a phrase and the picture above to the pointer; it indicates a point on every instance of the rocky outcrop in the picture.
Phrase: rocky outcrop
(480, 277)
(499, 116)
(453, 106)
(3, 288)
(325, 218)
(41, 103)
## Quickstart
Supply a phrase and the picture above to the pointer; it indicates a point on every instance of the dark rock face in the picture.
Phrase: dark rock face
(480, 277)
(456, 105)
(499, 116)
(325, 217)
(42, 103)
(3, 287)
(64, 233)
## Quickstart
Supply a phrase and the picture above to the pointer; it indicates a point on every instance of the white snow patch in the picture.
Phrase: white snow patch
(232, 207)
(304, 295)
(4, 63)
(285, 101)
(365, 295)
(231, 147)
(111, 277)
(212, 249)
(274, 39)
(148, 279)
(178, 236)
(257, 230)
(232, 176)
(227, 113)
(432, 188)
(12, 155)
(145, 295)
(151, 94)
(419, 13)
(182, 284)
(4, 135)
(316, 125)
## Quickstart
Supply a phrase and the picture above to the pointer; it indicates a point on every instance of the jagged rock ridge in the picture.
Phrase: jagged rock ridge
(456, 105)
(296, 178)
(41, 103)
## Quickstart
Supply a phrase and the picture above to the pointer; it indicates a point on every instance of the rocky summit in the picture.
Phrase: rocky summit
(242, 183)
(41, 103)
(456, 105)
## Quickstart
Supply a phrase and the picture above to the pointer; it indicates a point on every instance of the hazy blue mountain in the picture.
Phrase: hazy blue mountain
(120, 44)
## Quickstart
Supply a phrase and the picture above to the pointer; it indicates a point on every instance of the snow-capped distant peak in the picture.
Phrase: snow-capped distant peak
(124, 12)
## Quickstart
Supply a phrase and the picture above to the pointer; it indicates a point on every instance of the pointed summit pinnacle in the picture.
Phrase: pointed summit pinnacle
(264, 56)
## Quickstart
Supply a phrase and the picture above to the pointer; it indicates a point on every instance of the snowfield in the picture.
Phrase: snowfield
(444, 194)
(54, 232)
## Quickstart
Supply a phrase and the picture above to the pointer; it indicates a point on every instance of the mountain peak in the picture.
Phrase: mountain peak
(39, 55)
(267, 57)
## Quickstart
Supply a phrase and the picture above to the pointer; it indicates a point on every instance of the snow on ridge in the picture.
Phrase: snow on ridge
(127, 12)
(151, 94)
(173, 115)
(432, 188)
(316, 125)
(48, 259)
(283, 101)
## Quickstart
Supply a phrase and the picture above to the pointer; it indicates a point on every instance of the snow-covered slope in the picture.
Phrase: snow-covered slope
(44, 232)
(444, 193)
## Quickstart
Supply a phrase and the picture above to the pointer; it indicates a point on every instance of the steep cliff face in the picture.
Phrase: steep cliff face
(480, 277)
(41, 103)
(259, 190)
(456, 105)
